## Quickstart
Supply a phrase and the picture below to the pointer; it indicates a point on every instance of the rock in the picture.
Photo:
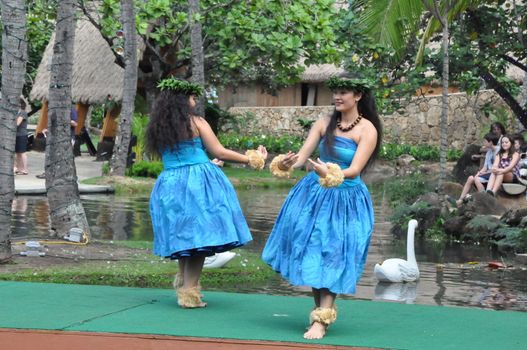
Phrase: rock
(482, 203)
(452, 189)
(404, 160)
(514, 217)
(465, 166)
(403, 164)
(455, 226)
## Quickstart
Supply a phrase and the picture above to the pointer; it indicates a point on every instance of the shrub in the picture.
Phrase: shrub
(145, 169)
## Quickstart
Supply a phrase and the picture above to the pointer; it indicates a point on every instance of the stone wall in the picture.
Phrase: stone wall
(415, 123)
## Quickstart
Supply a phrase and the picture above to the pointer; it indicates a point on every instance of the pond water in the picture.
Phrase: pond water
(447, 278)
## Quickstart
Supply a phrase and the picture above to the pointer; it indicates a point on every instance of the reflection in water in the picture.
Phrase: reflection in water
(406, 292)
(446, 279)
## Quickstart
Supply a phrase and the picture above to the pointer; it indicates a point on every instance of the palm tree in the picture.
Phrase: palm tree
(14, 58)
(122, 141)
(394, 23)
(66, 210)
(196, 43)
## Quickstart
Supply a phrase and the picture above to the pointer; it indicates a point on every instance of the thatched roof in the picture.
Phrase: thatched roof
(316, 73)
(95, 74)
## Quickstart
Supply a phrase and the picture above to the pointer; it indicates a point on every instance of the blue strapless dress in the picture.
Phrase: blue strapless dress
(321, 236)
(193, 206)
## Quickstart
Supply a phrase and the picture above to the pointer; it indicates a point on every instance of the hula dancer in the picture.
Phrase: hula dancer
(321, 236)
(194, 209)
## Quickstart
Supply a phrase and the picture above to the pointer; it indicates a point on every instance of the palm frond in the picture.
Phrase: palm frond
(434, 25)
(390, 22)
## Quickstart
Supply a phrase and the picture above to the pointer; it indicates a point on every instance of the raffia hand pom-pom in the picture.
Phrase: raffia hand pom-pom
(333, 178)
(256, 159)
(275, 169)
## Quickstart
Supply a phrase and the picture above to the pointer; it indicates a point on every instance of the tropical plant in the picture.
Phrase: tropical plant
(139, 124)
(262, 40)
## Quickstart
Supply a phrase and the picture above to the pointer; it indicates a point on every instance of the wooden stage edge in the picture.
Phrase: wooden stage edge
(15, 339)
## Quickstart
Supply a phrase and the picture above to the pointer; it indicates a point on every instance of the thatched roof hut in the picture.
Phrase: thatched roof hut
(95, 73)
(317, 73)
(310, 91)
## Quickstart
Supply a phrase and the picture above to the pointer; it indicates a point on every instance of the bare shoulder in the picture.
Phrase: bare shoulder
(198, 120)
(368, 125)
(321, 124)
(199, 125)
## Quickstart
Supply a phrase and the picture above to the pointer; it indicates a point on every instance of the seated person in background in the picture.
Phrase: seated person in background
(520, 147)
(495, 128)
(505, 167)
(483, 175)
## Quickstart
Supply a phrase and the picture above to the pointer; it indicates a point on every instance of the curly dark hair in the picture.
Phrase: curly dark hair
(368, 110)
(170, 122)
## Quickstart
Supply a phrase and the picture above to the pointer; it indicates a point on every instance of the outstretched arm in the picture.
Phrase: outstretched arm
(214, 146)
(297, 160)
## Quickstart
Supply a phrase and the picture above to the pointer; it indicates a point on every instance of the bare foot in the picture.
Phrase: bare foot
(316, 331)
(200, 305)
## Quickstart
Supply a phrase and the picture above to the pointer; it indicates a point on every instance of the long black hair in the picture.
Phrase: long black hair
(169, 123)
(367, 108)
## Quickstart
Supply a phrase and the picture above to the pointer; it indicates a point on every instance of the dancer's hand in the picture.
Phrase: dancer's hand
(288, 161)
(263, 151)
(320, 167)
(218, 162)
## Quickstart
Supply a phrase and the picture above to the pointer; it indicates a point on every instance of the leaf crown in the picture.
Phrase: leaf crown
(181, 86)
(338, 83)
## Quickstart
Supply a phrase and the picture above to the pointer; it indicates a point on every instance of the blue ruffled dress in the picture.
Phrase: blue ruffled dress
(321, 236)
(193, 206)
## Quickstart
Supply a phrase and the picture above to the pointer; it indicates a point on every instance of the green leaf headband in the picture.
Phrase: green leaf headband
(337, 83)
(182, 86)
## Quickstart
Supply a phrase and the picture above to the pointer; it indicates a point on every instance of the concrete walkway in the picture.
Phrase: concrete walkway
(86, 167)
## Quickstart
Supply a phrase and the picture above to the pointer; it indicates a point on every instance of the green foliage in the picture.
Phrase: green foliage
(481, 228)
(139, 125)
(261, 40)
(274, 144)
(405, 190)
(390, 151)
(97, 116)
(436, 232)
(145, 169)
(512, 238)
(306, 124)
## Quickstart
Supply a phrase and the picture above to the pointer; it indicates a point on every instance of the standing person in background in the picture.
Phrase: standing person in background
(74, 117)
(322, 233)
(21, 140)
(194, 209)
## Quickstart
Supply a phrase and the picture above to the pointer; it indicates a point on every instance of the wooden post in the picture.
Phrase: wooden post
(109, 130)
(43, 119)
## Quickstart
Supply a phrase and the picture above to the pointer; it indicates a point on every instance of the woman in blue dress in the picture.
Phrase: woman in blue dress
(321, 236)
(194, 209)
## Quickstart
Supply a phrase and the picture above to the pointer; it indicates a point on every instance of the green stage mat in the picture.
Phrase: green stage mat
(256, 317)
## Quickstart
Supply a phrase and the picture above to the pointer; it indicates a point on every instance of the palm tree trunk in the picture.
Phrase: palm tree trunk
(14, 58)
(122, 141)
(196, 43)
(66, 210)
(443, 148)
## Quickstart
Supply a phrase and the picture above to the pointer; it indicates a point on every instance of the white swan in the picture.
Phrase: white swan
(399, 270)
